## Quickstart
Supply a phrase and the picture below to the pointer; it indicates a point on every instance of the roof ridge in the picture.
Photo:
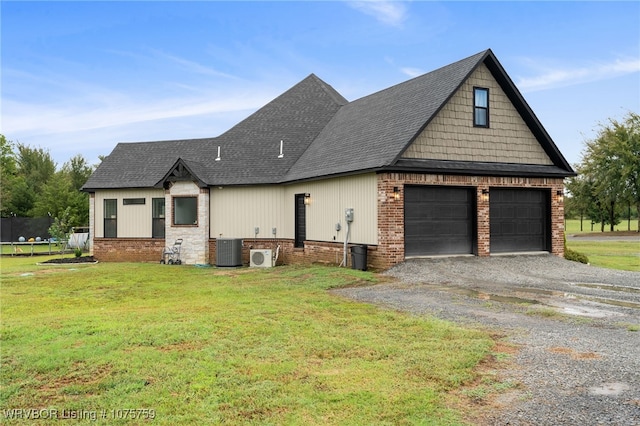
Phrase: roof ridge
(480, 58)
(329, 89)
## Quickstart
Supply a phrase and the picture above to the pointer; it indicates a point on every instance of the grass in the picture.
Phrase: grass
(624, 255)
(572, 226)
(208, 346)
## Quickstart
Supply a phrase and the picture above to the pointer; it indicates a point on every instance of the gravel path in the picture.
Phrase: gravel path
(579, 363)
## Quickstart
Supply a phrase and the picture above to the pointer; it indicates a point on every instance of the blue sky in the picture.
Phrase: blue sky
(79, 77)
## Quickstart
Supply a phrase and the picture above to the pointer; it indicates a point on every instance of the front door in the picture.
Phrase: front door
(301, 221)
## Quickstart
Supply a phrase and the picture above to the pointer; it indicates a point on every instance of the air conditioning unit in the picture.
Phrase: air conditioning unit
(261, 258)
(228, 252)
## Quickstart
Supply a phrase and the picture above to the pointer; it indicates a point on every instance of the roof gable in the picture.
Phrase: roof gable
(452, 136)
(184, 170)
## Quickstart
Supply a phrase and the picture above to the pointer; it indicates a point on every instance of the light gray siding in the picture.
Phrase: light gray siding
(134, 221)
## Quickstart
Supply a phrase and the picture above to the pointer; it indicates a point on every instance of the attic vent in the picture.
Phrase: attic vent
(281, 147)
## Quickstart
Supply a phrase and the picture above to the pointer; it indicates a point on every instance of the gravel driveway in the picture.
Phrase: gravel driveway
(578, 327)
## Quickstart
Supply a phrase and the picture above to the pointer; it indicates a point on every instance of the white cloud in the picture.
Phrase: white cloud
(391, 13)
(558, 77)
(192, 66)
(75, 115)
(412, 72)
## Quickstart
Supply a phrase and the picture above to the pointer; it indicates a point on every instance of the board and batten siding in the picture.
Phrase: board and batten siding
(237, 211)
(452, 136)
(134, 220)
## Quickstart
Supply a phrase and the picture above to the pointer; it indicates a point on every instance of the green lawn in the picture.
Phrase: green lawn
(623, 255)
(572, 226)
(238, 346)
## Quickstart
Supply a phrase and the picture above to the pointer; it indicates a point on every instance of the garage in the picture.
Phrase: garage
(519, 220)
(438, 220)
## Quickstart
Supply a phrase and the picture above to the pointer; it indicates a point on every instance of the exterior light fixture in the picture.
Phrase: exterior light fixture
(307, 199)
(560, 194)
(396, 193)
(485, 195)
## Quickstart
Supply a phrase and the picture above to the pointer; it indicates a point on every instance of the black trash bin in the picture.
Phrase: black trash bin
(359, 257)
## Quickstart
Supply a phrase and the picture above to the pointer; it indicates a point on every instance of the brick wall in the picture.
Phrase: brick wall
(391, 211)
(313, 252)
(128, 249)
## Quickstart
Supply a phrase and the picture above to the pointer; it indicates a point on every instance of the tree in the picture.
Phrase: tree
(8, 171)
(625, 137)
(581, 199)
(61, 227)
(36, 167)
(59, 195)
(78, 170)
(611, 162)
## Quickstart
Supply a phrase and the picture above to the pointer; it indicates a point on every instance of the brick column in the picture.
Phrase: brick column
(390, 221)
(557, 218)
(483, 223)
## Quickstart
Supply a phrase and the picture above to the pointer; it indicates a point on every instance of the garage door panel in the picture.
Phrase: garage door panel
(519, 220)
(438, 220)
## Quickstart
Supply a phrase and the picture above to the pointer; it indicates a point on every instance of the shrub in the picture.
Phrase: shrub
(573, 255)
(78, 252)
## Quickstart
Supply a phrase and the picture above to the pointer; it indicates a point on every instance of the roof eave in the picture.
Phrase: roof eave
(478, 169)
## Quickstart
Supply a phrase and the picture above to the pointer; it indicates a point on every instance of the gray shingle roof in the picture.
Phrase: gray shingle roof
(323, 135)
(373, 131)
(249, 151)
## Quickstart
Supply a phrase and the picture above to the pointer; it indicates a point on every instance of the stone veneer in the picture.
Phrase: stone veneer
(195, 249)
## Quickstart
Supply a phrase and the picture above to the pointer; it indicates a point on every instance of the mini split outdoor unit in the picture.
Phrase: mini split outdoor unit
(261, 258)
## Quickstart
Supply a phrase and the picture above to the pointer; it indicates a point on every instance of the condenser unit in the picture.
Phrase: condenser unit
(228, 252)
(261, 258)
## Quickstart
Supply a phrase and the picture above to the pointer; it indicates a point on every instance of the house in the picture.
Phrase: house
(452, 162)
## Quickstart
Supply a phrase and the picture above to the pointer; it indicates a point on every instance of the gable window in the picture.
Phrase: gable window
(480, 107)
(157, 207)
(185, 211)
(110, 218)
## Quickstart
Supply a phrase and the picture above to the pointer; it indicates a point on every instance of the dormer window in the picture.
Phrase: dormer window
(480, 107)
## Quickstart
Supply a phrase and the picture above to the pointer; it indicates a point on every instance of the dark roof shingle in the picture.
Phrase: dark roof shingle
(323, 135)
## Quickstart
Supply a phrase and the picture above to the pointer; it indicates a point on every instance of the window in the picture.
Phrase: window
(110, 218)
(132, 201)
(185, 211)
(480, 107)
(157, 207)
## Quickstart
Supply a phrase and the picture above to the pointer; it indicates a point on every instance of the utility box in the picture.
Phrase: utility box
(228, 252)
